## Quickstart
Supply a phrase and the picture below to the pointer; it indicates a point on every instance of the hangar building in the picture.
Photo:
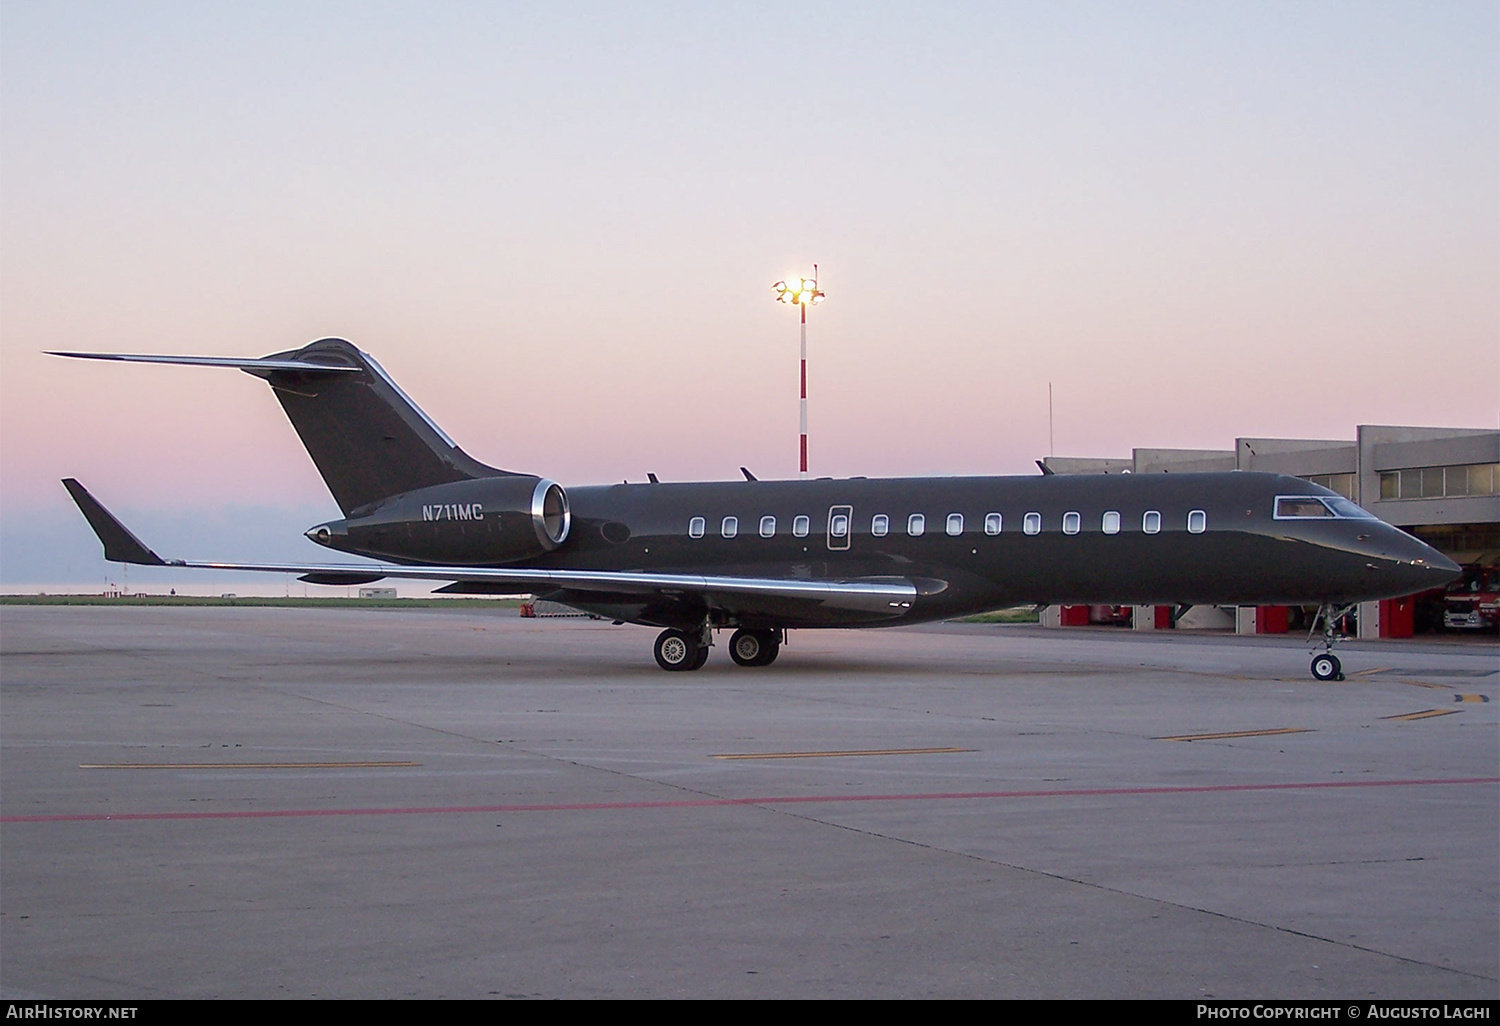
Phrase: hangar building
(1440, 484)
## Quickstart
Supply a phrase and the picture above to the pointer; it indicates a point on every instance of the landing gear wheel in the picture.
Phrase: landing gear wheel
(1327, 667)
(754, 648)
(676, 650)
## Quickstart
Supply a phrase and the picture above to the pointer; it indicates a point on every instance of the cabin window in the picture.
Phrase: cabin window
(955, 524)
(730, 527)
(1072, 522)
(1111, 522)
(695, 527)
(1031, 523)
(767, 526)
(838, 527)
(916, 525)
(1151, 522)
(800, 526)
(992, 523)
(880, 525)
(1197, 521)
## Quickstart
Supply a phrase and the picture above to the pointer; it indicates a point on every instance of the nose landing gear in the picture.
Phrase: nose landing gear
(1326, 665)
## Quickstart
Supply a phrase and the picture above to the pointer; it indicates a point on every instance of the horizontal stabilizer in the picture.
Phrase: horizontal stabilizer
(120, 546)
(250, 364)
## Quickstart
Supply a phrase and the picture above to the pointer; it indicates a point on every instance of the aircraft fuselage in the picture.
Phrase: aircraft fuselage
(981, 542)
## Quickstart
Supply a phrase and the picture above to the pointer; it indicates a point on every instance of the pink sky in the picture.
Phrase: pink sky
(558, 229)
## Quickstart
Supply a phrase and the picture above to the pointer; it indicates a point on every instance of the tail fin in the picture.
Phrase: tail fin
(366, 436)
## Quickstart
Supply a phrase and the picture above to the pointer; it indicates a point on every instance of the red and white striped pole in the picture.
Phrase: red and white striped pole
(801, 292)
(804, 388)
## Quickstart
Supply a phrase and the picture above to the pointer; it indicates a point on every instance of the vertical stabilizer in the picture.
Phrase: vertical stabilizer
(366, 436)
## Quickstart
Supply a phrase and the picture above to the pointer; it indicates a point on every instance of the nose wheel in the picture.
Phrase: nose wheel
(754, 648)
(679, 650)
(1326, 667)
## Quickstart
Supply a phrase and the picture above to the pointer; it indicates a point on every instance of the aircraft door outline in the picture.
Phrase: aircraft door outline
(840, 527)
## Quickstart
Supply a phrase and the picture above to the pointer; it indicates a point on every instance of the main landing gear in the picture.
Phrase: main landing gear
(682, 650)
(754, 648)
(1326, 665)
(688, 650)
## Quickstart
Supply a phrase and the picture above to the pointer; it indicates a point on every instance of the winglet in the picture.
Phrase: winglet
(120, 546)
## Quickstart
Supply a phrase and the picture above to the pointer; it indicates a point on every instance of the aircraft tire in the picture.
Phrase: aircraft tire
(746, 647)
(676, 650)
(1327, 667)
(754, 648)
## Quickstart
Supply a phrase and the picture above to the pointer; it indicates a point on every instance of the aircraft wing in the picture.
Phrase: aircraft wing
(884, 596)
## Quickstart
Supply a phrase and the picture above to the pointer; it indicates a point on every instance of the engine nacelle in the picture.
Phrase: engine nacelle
(489, 521)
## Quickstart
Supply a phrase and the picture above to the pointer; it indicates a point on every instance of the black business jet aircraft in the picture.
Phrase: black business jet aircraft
(762, 557)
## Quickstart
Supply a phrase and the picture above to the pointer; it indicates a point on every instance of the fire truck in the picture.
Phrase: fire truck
(1472, 603)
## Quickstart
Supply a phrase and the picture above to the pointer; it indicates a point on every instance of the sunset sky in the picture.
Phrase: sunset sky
(557, 226)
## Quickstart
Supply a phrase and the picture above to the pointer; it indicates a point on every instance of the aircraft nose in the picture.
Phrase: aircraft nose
(1419, 566)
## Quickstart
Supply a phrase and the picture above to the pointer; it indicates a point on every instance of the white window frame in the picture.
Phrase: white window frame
(1202, 521)
(768, 527)
(696, 527)
(800, 526)
(1151, 522)
(954, 525)
(1072, 522)
(994, 523)
(1110, 522)
(916, 525)
(880, 525)
(730, 527)
(1031, 523)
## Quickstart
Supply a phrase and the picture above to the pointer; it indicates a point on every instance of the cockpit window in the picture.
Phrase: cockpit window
(1344, 508)
(1312, 507)
(1300, 507)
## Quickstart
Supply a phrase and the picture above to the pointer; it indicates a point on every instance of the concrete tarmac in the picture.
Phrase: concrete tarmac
(249, 802)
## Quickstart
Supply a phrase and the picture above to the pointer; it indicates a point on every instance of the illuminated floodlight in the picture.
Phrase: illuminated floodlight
(798, 292)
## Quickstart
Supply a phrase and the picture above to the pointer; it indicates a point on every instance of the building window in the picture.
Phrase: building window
(992, 523)
(916, 525)
(1072, 522)
(955, 524)
(800, 526)
(1441, 482)
(730, 527)
(695, 527)
(767, 526)
(1111, 522)
(1151, 522)
(1197, 521)
(880, 525)
(1341, 483)
(1031, 523)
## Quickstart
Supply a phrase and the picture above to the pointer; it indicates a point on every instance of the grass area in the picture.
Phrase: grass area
(256, 600)
(1015, 614)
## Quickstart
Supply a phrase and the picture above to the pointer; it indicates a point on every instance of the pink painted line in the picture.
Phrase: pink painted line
(710, 803)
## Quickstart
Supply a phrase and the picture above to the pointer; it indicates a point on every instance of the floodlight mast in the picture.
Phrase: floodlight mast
(801, 292)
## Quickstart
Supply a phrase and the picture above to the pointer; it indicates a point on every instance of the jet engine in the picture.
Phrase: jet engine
(484, 522)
